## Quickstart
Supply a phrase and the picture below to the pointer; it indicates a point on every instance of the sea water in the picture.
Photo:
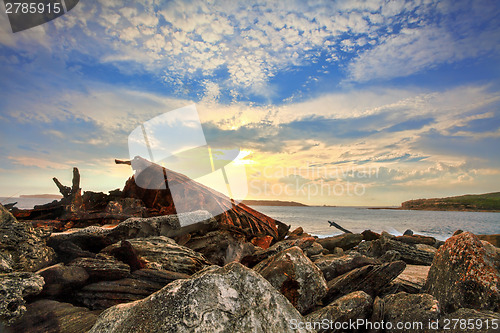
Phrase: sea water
(439, 224)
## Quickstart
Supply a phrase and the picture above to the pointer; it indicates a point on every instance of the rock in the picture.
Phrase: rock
(60, 279)
(67, 251)
(418, 254)
(369, 235)
(140, 284)
(408, 232)
(344, 241)
(465, 274)
(412, 280)
(297, 233)
(458, 232)
(221, 247)
(370, 279)
(295, 276)
(228, 299)
(416, 239)
(263, 242)
(95, 238)
(414, 310)
(390, 255)
(351, 307)
(313, 249)
(14, 287)
(128, 255)
(492, 239)
(22, 245)
(5, 263)
(163, 253)
(261, 254)
(50, 316)
(332, 266)
(482, 321)
(102, 268)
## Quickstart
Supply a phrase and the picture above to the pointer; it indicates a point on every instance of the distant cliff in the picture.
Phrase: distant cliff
(469, 202)
(272, 203)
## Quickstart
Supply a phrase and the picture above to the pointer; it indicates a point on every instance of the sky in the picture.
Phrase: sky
(360, 103)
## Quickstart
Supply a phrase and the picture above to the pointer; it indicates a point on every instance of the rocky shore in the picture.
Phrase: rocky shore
(241, 272)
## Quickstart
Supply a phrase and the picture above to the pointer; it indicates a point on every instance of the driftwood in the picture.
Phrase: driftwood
(336, 225)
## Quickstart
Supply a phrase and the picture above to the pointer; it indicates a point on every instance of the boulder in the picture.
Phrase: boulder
(370, 279)
(22, 247)
(369, 235)
(221, 247)
(333, 266)
(351, 307)
(228, 299)
(102, 267)
(5, 263)
(262, 241)
(140, 284)
(50, 316)
(94, 238)
(261, 254)
(416, 254)
(483, 321)
(465, 274)
(314, 249)
(14, 287)
(161, 252)
(416, 310)
(60, 279)
(345, 241)
(295, 276)
(416, 239)
(412, 280)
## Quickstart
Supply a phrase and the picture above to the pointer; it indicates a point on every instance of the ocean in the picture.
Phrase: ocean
(438, 224)
(314, 220)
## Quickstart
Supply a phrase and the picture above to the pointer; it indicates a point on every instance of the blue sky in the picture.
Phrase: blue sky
(315, 93)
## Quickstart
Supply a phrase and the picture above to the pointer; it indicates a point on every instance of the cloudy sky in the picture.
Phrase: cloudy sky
(331, 102)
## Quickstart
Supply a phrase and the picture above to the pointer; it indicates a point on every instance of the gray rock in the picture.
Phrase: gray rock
(295, 276)
(333, 266)
(14, 287)
(415, 254)
(161, 252)
(370, 279)
(61, 279)
(314, 249)
(412, 280)
(482, 321)
(261, 254)
(5, 263)
(22, 247)
(140, 284)
(465, 274)
(228, 299)
(102, 267)
(412, 309)
(351, 307)
(95, 238)
(408, 232)
(50, 316)
(221, 247)
(344, 241)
